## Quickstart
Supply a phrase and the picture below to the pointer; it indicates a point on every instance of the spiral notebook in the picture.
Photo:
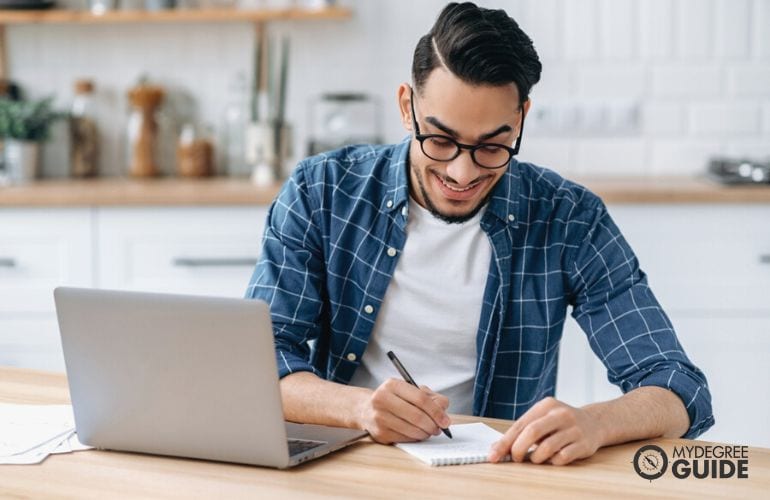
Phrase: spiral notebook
(470, 445)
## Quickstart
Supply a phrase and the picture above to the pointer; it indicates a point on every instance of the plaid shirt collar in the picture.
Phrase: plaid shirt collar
(503, 203)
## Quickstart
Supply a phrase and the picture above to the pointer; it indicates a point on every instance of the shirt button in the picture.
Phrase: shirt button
(404, 211)
(389, 203)
(511, 217)
(368, 309)
(351, 356)
(392, 252)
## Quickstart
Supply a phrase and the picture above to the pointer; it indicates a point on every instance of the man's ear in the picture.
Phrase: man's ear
(525, 107)
(403, 96)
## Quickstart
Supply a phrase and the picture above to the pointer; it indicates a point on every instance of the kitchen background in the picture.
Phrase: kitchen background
(641, 92)
(668, 82)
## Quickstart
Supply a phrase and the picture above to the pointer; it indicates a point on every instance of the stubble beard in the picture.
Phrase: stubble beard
(449, 219)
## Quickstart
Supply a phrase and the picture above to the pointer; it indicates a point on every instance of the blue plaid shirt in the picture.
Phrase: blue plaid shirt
(324, 270)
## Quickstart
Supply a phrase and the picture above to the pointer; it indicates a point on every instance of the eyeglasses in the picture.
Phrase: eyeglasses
(440, 147)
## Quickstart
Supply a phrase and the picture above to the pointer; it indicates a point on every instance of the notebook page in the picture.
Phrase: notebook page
(470, 445)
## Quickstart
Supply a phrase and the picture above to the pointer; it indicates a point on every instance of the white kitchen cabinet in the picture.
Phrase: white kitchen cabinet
(708, 258)
(191, 250)
(40, 249)
(31, 342)
(195, 250)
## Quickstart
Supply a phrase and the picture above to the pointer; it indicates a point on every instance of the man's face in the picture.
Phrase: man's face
(456, 190)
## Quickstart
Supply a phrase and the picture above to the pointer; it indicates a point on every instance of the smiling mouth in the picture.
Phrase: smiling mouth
(459, 190)
(459, 194)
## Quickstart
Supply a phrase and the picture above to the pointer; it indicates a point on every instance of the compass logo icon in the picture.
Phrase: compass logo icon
(650, 462)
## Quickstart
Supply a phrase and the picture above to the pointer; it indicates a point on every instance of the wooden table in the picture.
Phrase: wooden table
(363, 470)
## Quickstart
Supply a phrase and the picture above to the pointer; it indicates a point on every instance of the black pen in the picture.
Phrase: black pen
(409, 379)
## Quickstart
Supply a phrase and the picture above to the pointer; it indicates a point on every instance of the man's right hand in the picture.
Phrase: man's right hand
(399, 412)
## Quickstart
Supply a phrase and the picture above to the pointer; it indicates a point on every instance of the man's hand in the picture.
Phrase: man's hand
(560, 434)
(398, 412)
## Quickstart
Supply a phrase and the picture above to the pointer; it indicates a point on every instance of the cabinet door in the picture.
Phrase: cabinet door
(190, 250)
(41, 249)
(31, 342)
(702, 257)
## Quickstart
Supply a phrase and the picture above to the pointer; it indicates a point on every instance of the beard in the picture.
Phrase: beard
(448, 218)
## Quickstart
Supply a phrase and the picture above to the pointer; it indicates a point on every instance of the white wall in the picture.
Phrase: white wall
(698, 69)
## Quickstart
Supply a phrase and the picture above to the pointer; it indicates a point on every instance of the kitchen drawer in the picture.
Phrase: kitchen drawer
(192, 250)
(702, 257)
(39, 250)
(31, 341)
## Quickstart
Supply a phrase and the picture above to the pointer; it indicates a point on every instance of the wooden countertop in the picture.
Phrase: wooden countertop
(363, 470)
(229, 191)
(120, 191)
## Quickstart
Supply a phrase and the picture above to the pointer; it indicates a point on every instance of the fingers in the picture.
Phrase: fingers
(388, 428)
(415, 423)
(420, 399)
(504, 445)
(551, 431)
(569, 454)
(551, 445)
(442, 400)
(398, 411)
(532, 435)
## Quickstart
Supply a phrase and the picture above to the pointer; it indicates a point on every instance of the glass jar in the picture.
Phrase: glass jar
(195, 153)
(84, 133)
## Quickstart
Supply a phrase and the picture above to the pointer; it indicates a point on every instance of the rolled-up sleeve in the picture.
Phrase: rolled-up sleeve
(289, 275)
(626, 326)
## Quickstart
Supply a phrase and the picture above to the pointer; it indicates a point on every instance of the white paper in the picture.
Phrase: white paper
(470, 443)
(29, 433)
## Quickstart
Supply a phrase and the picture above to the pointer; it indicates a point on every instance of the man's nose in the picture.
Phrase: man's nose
(463, 170)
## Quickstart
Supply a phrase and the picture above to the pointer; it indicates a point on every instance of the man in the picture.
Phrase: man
(448, 251)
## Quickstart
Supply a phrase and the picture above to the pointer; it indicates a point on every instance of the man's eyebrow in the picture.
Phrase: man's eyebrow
(437, 123)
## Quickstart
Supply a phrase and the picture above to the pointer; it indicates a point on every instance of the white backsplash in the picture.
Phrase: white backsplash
(698, 70)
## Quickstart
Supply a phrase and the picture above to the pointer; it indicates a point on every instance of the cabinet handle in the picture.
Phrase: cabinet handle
(764, 258)
(7, 262)
(214, 261)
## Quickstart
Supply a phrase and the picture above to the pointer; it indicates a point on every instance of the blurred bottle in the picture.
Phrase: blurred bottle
(235, 121)
(143, 129)
(84, 133)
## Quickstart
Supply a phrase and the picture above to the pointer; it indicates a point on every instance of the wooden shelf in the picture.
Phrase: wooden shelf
(62, 16)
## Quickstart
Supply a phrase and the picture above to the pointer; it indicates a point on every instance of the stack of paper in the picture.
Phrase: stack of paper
(29, 433)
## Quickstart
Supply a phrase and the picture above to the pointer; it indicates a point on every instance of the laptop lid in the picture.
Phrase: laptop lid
(173, 375)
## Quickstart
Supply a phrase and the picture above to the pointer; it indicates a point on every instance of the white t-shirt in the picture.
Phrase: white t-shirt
(431, 310)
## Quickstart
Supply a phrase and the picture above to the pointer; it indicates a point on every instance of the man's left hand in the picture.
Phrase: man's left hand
(558, 432)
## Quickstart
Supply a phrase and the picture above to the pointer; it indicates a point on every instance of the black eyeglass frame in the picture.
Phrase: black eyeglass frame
(472, 148)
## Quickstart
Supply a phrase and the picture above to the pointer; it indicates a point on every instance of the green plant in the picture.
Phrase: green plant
(27, 120)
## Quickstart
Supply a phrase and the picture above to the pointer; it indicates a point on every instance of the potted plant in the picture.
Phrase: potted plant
(24, 125)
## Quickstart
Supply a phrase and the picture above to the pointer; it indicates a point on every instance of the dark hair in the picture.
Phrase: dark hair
(479, 46)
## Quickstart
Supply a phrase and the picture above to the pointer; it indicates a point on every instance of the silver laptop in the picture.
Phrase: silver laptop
(181, 375)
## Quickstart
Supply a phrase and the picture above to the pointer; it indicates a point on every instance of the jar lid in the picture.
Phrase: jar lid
(84, 86)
